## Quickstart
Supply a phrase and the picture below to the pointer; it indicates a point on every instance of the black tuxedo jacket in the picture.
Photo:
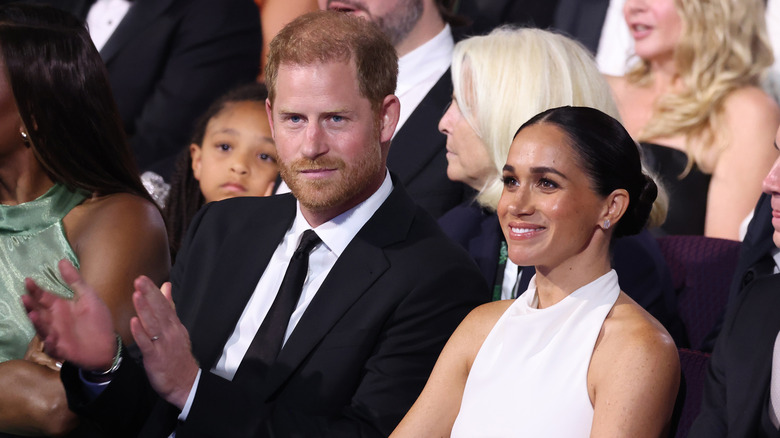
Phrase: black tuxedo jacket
(358, 357)
(638, 261)
(582, 20)
(418, 154)
(755, 259)
(168, 60)
(736, 392)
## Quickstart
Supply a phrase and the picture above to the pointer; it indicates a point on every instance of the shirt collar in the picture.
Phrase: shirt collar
(426, 60)
(339, 231)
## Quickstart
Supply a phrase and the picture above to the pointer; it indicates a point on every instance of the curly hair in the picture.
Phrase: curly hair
(723, 47)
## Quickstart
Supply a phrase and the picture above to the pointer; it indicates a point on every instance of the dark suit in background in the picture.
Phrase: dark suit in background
(582, 20)
(168, 60)
(485, 15)
(355, 362)
(418, 154)
(638, 261)
(736, 393)
(755, 258)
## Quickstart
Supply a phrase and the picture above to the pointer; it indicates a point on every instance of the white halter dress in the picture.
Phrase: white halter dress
(529, 378)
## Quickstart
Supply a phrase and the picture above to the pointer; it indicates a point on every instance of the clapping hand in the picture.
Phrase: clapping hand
(79, 330)
(163, 341)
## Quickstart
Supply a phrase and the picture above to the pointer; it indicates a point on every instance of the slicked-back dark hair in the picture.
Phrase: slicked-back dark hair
(61, 88)
(610, 158)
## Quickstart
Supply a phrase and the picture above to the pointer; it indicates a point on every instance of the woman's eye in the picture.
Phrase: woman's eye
(509, 181)
(547, 184)
(224, 147)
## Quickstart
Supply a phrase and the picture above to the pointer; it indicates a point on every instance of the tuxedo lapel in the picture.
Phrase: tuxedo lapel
(753, 339)
(240, 264)
(358, 267)
(419, 140)
(138, 17)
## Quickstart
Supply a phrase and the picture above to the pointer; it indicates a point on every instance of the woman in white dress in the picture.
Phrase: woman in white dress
(573, 356)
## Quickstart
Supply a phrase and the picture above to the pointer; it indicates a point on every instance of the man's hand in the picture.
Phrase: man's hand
(80, 330)
(164, 342)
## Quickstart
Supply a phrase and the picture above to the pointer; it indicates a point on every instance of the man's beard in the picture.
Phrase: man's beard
(350, 181)
(396, 24)
(400, 22)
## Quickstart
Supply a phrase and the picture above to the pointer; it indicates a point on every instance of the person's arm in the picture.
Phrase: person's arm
(434, 412)
(752, 118)
(32, 401)
(116, 238)
(634, 375)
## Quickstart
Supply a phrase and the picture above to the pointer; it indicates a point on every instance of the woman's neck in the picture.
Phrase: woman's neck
(22, 179)
(665, 76)
(555, 284)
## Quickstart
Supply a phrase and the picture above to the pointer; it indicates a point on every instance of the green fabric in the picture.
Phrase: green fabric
(32, 242)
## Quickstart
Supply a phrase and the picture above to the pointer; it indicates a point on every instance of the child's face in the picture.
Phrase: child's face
(237, 157)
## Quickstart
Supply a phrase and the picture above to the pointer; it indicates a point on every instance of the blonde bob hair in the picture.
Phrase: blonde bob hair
(723, 46)
(502, 79)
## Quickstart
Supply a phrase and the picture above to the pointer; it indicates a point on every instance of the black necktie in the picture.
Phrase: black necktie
(268, 339)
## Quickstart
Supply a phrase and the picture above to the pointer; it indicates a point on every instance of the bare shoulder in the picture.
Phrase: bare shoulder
(116, 213)
(630, 333)
(634, 374)
(753, 106)
(633, 350)
(476, 326)
(119, 228)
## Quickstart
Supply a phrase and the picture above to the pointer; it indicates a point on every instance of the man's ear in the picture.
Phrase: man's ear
(615, 206)
(388, 117)
(196, 154)
(269, 112)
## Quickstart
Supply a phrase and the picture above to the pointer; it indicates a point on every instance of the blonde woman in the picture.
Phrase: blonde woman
(694, 102)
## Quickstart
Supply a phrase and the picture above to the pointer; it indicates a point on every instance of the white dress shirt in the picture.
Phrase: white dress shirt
(103, 18)
(336, 235)
(420, 69)
(615, 43)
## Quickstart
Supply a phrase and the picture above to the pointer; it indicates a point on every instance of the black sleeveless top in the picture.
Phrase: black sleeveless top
(687, 195)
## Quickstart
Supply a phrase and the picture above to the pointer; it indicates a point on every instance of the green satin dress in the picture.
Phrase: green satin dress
(32, 242)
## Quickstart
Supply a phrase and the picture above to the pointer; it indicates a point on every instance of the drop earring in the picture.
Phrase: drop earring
(25, 138)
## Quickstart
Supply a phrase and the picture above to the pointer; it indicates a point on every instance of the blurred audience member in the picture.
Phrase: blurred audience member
(424, 42)
(482, 16)
(274, 15)
(694, 101)
(742, 390)
(582, 20)
(167, 61)
(232, 154)
(491, 74)
(573, 356)
(68, 190)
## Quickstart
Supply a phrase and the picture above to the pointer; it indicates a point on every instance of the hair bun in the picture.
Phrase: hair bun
(635, 218)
